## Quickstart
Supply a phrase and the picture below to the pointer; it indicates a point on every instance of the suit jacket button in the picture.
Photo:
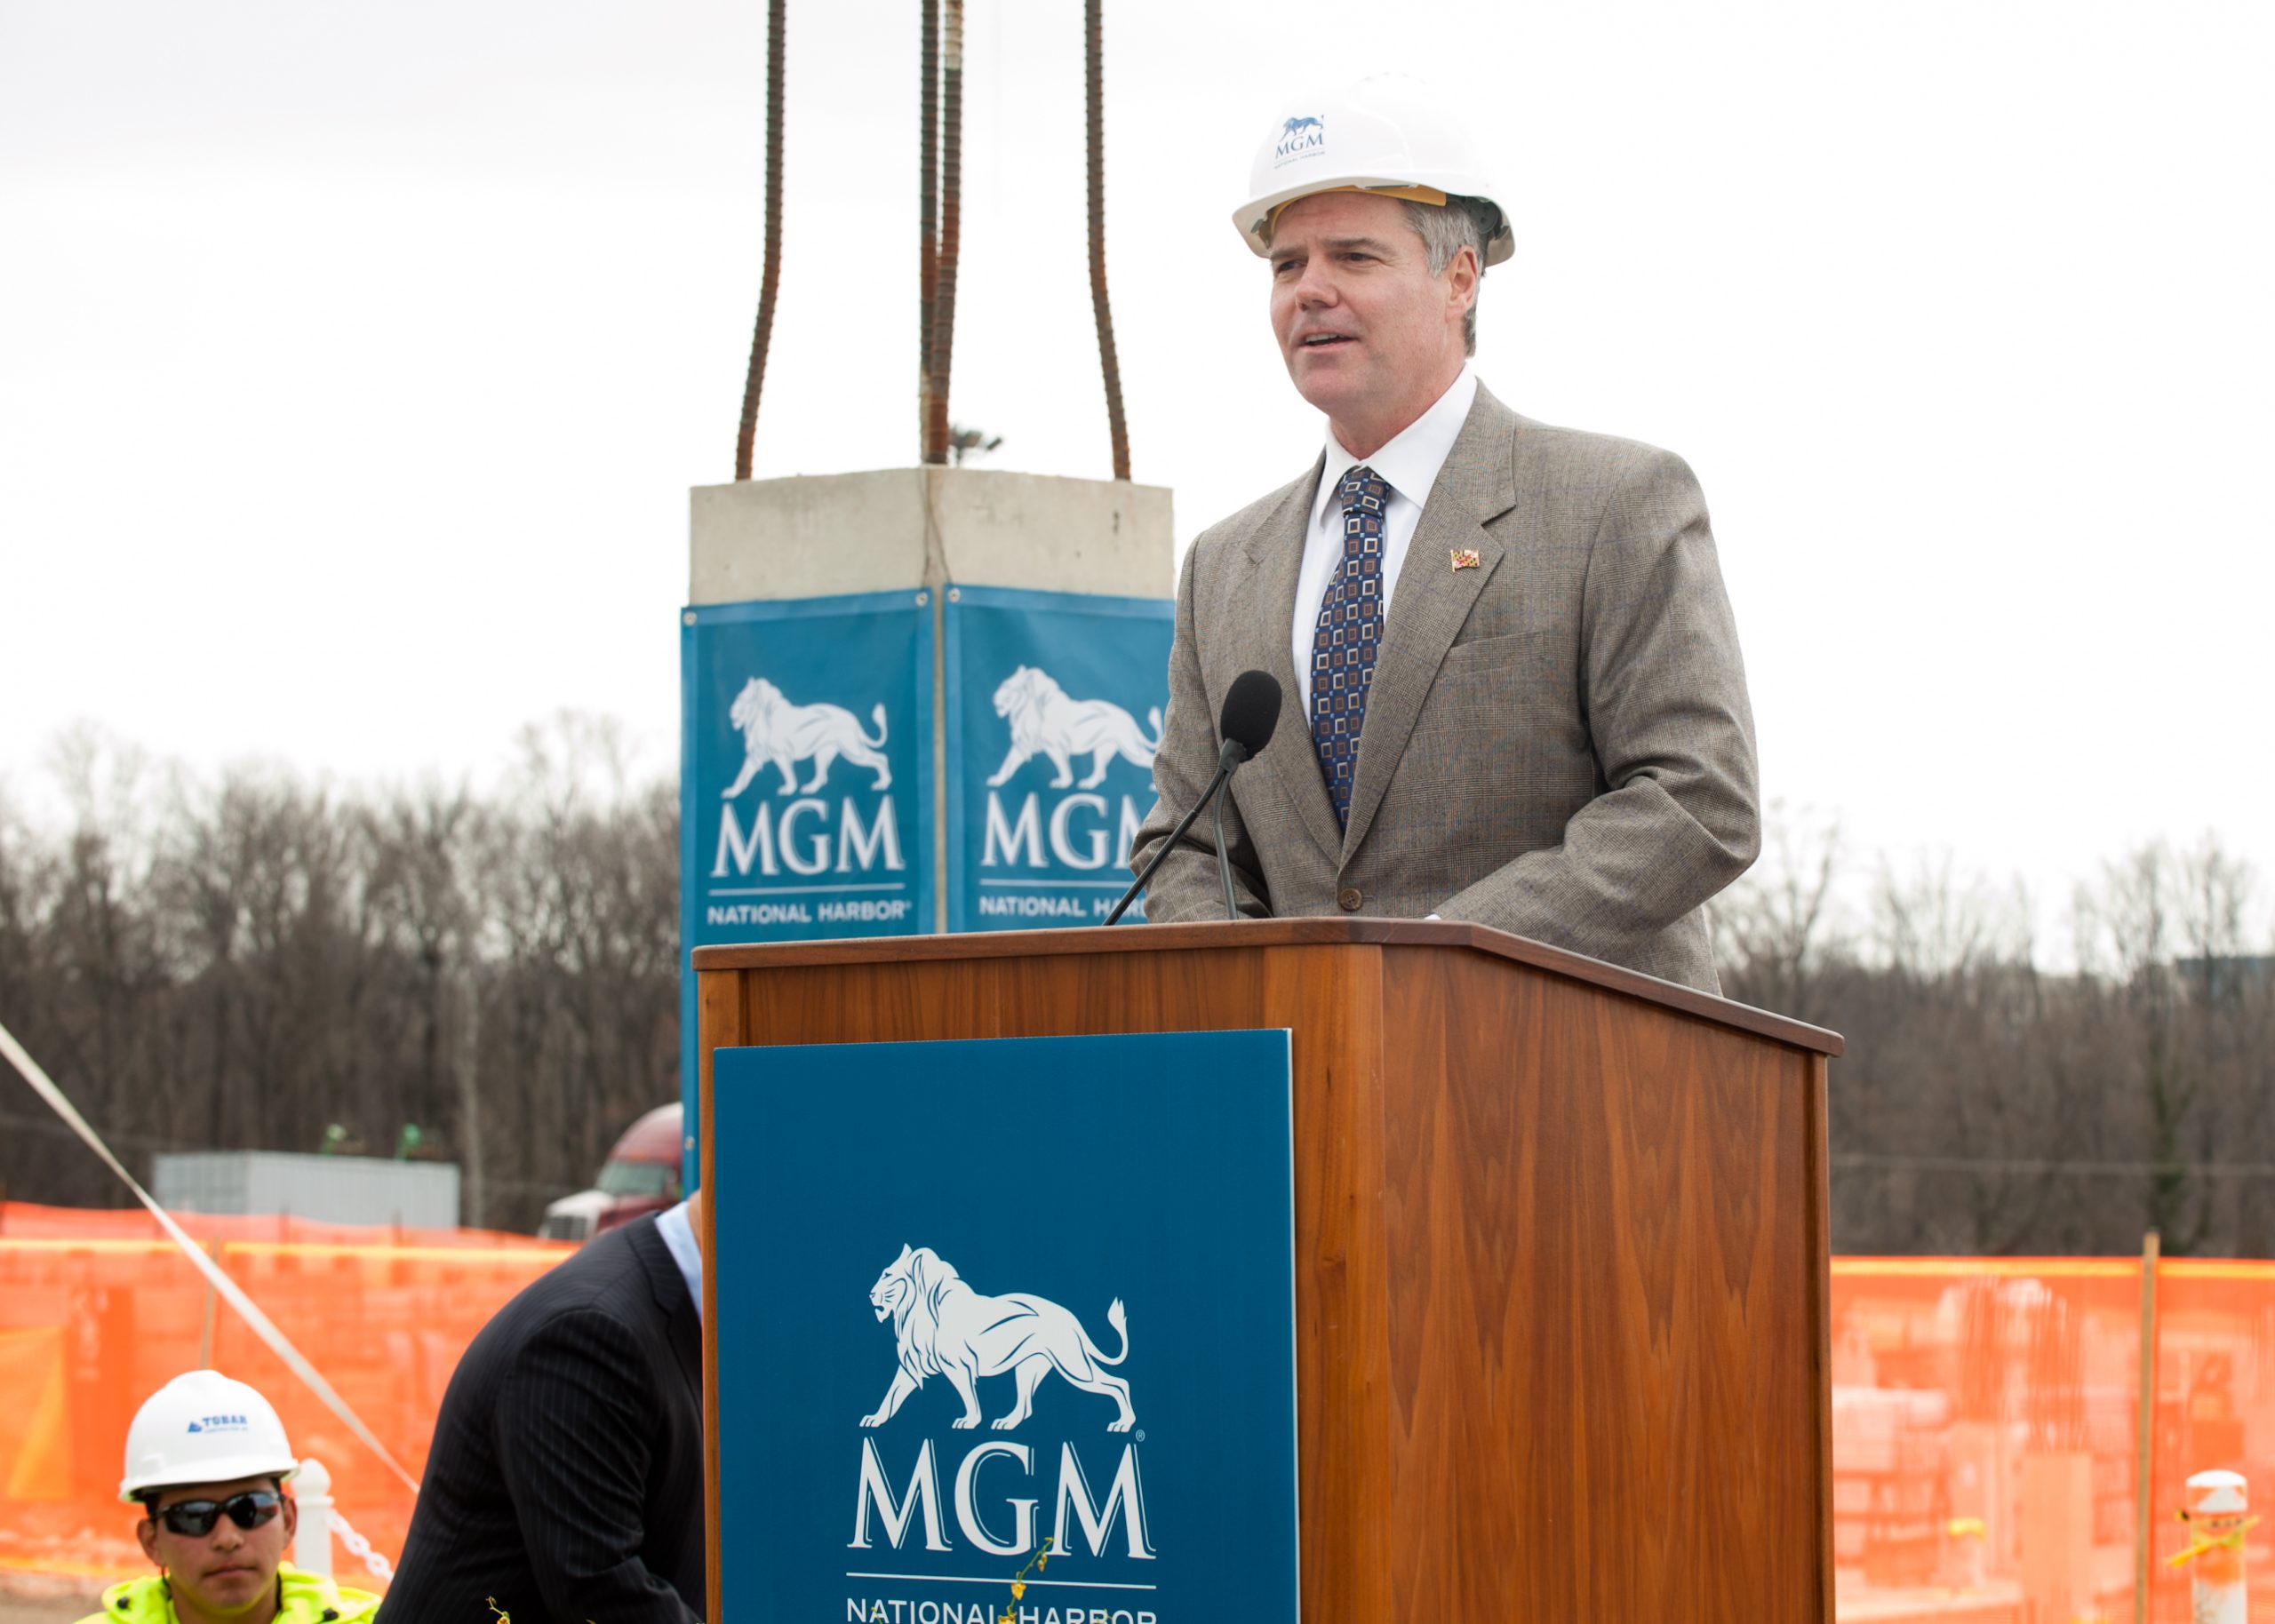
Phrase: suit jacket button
(1350, 899)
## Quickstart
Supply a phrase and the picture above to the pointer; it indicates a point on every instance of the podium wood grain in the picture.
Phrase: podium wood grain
(1560, 1244)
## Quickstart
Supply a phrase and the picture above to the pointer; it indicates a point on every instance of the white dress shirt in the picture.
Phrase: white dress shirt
(687, 1252)
(1410, 466)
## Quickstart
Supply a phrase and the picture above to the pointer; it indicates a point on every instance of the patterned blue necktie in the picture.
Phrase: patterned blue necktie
(1344, 638)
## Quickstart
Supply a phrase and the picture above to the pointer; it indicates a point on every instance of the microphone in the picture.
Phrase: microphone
(1251, 713)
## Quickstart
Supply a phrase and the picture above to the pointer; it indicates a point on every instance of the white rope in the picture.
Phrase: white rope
(230, 1290)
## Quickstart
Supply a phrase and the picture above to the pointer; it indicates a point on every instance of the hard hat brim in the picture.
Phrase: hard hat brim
(1253, 219)
(228, 1468)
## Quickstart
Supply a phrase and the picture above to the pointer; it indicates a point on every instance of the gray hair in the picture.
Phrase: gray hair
(1464, 222)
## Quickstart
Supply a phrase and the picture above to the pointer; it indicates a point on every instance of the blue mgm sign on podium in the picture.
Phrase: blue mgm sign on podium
(1006, 1313)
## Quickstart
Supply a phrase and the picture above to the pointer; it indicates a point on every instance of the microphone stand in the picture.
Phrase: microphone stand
(1230, 756)
(1224, 863)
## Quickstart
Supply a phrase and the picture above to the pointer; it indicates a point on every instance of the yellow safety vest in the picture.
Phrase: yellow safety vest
(306, 1599)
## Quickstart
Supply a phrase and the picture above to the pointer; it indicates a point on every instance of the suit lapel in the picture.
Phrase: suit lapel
(1275, 549)
(1433, 598)
(683, 1320)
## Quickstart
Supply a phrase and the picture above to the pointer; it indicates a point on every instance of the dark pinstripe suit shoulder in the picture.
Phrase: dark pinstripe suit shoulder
(565, 1478)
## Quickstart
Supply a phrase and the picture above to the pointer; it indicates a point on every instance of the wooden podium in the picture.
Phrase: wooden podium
(1561, 1246)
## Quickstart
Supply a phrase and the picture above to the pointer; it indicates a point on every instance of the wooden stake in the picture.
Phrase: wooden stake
(2145, 1433)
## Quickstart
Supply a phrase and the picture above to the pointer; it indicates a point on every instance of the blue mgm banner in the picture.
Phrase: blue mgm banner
(1006, 1329)
(1054, 712)
(805, 777)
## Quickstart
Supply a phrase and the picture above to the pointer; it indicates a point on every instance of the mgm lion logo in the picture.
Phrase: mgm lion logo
(944, 1327)
(775, 730)
(1045, 722)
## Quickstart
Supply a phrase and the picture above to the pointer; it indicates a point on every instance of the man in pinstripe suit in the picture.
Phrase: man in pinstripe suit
(566, 1475)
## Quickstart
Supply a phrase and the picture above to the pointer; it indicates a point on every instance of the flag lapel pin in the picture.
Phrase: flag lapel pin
(1464, 558)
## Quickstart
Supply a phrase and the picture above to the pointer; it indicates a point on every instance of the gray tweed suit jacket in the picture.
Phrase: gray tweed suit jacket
(1557, 741)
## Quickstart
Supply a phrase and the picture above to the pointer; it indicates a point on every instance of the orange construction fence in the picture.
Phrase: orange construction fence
(1987, 1445)
(98, 1310)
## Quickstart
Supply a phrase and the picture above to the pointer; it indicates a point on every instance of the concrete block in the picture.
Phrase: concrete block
(1054, 535)
(900, 529)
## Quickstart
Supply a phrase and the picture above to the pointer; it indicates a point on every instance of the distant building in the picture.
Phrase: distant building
(2225, 976)
(328, 1189)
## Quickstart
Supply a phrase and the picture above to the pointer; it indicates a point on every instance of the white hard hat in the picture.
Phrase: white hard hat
(203, 1428)
(1389, 133)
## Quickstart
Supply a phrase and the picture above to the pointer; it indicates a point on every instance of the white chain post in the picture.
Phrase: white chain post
(2218, 1503)
(359, 1548)
(320, 1520)
(312, 1544)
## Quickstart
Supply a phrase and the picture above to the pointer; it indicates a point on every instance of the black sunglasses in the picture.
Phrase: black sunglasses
(193, 1519)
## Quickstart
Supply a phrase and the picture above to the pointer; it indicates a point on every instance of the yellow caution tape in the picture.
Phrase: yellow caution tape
(2232, 1540)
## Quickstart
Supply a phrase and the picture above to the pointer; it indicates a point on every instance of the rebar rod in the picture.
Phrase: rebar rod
(1099, 307)
(944, 292)
(771, 277)
(927, 209)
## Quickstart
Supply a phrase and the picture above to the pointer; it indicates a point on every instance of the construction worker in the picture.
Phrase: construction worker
(207, 1460)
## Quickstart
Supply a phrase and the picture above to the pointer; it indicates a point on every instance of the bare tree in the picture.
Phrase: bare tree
(1988, 1105)
(1775, 929)
(2127, 932)
(246, 959)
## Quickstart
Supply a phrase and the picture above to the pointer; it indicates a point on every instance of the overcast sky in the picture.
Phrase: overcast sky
(355, 360)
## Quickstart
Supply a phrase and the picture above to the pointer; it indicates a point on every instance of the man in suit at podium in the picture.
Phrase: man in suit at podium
(1511, 692)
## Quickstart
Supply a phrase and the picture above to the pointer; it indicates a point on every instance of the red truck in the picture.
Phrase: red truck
(640, 1175)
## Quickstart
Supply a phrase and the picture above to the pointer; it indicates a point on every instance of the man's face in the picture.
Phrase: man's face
(1365, 329)
(228, 1570)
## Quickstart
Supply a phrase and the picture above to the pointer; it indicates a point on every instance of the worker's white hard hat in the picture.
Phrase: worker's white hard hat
(203, 1428)
(1389, 133)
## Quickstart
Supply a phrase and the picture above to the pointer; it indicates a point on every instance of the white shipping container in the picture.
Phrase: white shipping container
(328, 1189)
